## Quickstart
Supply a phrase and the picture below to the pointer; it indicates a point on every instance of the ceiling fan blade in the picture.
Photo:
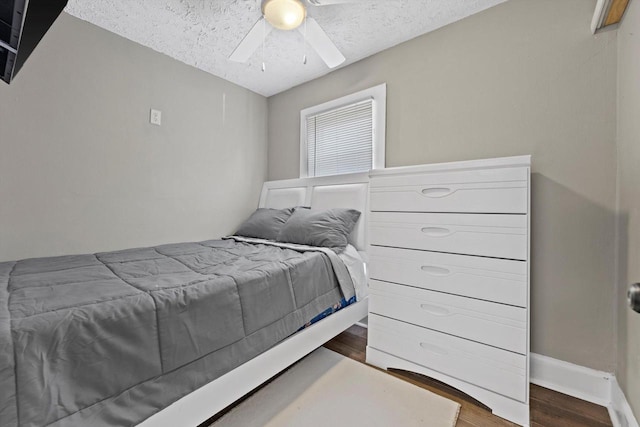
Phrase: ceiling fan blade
(320, 41)
(251, 41)
(331, 2)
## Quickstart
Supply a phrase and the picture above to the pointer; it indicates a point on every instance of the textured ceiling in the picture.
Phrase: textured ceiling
(203, 33)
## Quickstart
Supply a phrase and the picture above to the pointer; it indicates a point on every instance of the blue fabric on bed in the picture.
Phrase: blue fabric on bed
(329, 311)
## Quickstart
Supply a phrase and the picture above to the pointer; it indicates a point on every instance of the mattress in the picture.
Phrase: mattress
(111, 338)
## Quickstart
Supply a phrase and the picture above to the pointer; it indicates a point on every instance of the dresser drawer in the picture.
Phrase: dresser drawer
(500, 236)
(497, 370)
(498, 280)
(480, 191)
(499, 325)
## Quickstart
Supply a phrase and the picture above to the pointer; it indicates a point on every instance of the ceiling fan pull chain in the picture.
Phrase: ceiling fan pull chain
(264, 38)
(304, 57)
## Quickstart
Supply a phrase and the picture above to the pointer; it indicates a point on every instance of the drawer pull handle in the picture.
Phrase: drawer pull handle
(437, 192)
(436, 311)
(434, 349)
(435, 271)
(436, 231)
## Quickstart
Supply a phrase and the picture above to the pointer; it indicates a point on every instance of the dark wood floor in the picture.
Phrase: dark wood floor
(548, 408)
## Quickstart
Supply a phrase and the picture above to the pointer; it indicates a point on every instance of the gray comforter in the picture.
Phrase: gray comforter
(111, 338)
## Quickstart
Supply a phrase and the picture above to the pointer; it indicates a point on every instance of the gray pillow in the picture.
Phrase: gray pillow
(328, 228)
(264, 223)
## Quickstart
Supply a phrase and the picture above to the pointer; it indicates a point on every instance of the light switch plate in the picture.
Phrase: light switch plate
(155, 117)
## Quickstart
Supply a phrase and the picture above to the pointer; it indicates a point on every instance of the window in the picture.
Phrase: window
(345, 135)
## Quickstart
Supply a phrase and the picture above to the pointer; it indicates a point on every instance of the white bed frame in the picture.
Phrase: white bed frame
(343, 191)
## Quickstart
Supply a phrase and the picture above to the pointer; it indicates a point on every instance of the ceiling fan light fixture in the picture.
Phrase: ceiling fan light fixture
(284, 14)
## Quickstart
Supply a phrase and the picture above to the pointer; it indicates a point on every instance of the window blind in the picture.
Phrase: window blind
(340, 140)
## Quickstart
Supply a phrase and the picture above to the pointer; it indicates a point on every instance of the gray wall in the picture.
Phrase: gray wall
(81, 168)
(525, 77)
(628, 369)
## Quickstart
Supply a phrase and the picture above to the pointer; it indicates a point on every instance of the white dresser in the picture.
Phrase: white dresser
(449, 277)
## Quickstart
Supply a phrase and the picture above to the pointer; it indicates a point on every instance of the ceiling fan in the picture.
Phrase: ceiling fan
(289, 15)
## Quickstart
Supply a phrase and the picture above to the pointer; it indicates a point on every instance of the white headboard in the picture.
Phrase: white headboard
(339, 191)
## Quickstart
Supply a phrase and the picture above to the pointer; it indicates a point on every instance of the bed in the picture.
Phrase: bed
(118, 338)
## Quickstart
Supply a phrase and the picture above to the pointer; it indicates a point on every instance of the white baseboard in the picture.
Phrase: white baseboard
(577, 381)
(588, 384)
(362, 324)
(619, 409)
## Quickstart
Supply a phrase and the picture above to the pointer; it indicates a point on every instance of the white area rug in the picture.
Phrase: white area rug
(328, 389)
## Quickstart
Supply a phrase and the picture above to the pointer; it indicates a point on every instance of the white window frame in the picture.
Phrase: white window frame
(379, 96)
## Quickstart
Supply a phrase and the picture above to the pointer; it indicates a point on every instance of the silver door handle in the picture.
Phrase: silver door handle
(633, 296)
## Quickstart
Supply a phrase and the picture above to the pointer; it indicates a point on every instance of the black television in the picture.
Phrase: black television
(23, 23)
